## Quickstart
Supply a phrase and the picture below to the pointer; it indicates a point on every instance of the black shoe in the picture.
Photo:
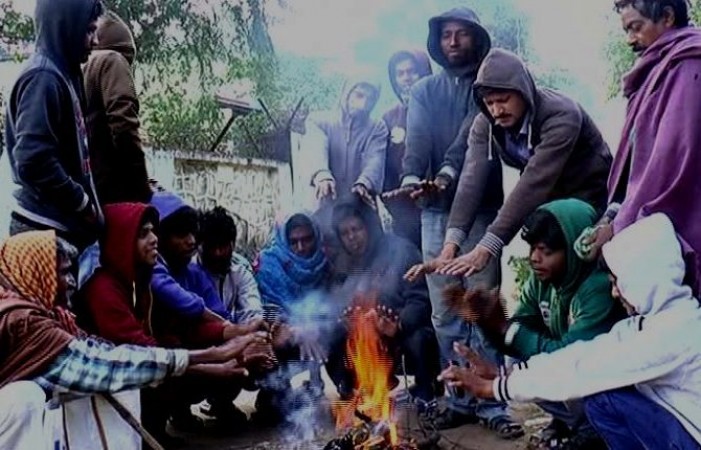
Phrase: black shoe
(450, 418)
(228, 420)
(552, 434)
(185, 422)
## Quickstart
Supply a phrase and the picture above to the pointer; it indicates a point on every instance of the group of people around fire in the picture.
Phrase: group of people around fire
(112, 287)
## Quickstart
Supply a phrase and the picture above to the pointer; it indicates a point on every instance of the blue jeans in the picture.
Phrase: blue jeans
(450, 328)
(627, 420)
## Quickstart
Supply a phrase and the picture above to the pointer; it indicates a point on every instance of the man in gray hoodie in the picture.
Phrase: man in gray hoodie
(438, 107)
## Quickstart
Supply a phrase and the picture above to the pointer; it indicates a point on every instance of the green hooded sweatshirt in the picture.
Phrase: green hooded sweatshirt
(551, 317)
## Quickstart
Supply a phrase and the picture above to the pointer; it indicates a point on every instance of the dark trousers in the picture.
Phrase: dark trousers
(627, 420)
(406, 219)
(419, 348)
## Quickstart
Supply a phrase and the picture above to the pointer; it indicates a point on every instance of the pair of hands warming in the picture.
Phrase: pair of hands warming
(326, 189)
(234, 358)
(258, 354)
(477, 378)
(424, 188)
(448, 264)
(385, 319)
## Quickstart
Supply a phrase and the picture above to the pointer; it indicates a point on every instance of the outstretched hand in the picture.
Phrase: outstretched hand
(365, 195)
(478, 365)
(478, 306)
(461, 377)
(468, 264)
(588, 245)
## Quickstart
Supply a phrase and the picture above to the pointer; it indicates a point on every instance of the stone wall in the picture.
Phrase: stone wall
(256, 191)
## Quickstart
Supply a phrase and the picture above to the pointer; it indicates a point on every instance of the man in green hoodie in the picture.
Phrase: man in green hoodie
(563, 301)
(112, 115)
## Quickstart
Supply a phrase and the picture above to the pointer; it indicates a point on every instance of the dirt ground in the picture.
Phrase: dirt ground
(468, 437)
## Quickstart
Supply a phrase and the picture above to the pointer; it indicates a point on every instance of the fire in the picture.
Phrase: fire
(372, 365)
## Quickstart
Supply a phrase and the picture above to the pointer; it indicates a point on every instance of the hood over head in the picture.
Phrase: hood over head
(646, 259)
(353, 205)
(482, 41)
(28, 263)
(118, 244)
(350, 84)
(423, 66)
(573, 216)
(61, 27)
(167, 203)
(502, 69)
(114, 34)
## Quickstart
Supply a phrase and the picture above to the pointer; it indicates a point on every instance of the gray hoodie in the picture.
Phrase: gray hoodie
(568, 155)
(348, 149)
(438, 108)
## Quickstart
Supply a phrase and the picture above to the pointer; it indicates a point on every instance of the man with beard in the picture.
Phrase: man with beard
(656, 166)
(45, 131)
(405, 69)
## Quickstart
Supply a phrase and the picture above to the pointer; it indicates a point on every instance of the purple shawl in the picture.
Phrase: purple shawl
(661, 141)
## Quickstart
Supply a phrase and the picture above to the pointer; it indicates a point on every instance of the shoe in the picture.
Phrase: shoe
(228, 420)
(450, 418)
(185, 422)
(504, 426)
(554, 432)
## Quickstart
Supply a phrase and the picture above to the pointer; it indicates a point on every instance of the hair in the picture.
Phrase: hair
(543, 227)
(97, 11)
(65, 251)
(655, 9)
(217, 227)
(297, 221)
(181, 222)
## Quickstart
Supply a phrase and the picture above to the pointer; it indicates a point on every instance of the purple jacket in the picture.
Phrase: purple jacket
(658, 163)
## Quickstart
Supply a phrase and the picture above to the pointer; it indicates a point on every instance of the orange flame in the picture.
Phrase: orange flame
(372, 366)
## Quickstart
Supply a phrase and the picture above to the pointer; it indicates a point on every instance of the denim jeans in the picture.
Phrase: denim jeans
(450, 328)
(627, 420)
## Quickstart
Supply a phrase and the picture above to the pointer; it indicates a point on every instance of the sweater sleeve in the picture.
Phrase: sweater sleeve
(543, 170)
(173, 296)
(610, 361)
(39, 120)
(122, 109)
(113, 316)
(591, 313)
(316, 151)
(418, 138)
(373, 172)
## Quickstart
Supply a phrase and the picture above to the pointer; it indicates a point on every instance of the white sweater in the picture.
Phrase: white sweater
(658, 351)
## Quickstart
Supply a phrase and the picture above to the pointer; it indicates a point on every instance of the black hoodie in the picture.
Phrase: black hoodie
(45, 131)
(438, 106)
(382, 267)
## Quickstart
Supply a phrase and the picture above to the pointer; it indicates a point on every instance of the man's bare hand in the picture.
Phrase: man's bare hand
(326, 189)
(468, 264)
(404, 191)
(386, 321)
(589, 244)
(460, 377)
(478, 306)
(232, 330)
(364, 194)
(234, 348)
(478, 365)
(434, 265)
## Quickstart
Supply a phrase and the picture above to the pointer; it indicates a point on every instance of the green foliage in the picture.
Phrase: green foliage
(15, 28)
(521, 269)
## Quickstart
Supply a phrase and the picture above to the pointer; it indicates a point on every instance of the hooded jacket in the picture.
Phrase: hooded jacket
(113, 116)
(656, 168)
(550, 317)
(348, 149)
(45, 131)
(381, 269)
(569, 158)
(117, 300)
(395, 118)
(657, 351)
(438, 107)
(185, 292)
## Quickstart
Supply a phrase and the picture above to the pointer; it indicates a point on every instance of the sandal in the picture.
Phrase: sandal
(550, 436)
(505, 427)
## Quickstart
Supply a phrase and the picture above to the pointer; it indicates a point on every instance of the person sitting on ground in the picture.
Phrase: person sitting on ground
(184, 295)
(230, 273)
(402, 315)
(564, 300)
(641, 381)
(42, 343)
(292, 273)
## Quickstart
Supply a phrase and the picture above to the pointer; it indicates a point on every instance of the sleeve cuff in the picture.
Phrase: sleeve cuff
(500, 389)
(84, 203)
(455, 236)
(322, 175)
(182, 361)
(410, 180)
(492, 243)
(511, 333)
(448, 171)
(365, 182)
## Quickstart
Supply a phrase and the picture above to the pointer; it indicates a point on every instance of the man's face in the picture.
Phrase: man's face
(66, 281)
(301, 241)
(507, 108)
(548, 265)
(217, 256)
(616, 293)
(179, 248)
(146, 245)
(354, 236)
(90, 41)
(359, 99)
(457, 43)
(405, 75)
(642, 32)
